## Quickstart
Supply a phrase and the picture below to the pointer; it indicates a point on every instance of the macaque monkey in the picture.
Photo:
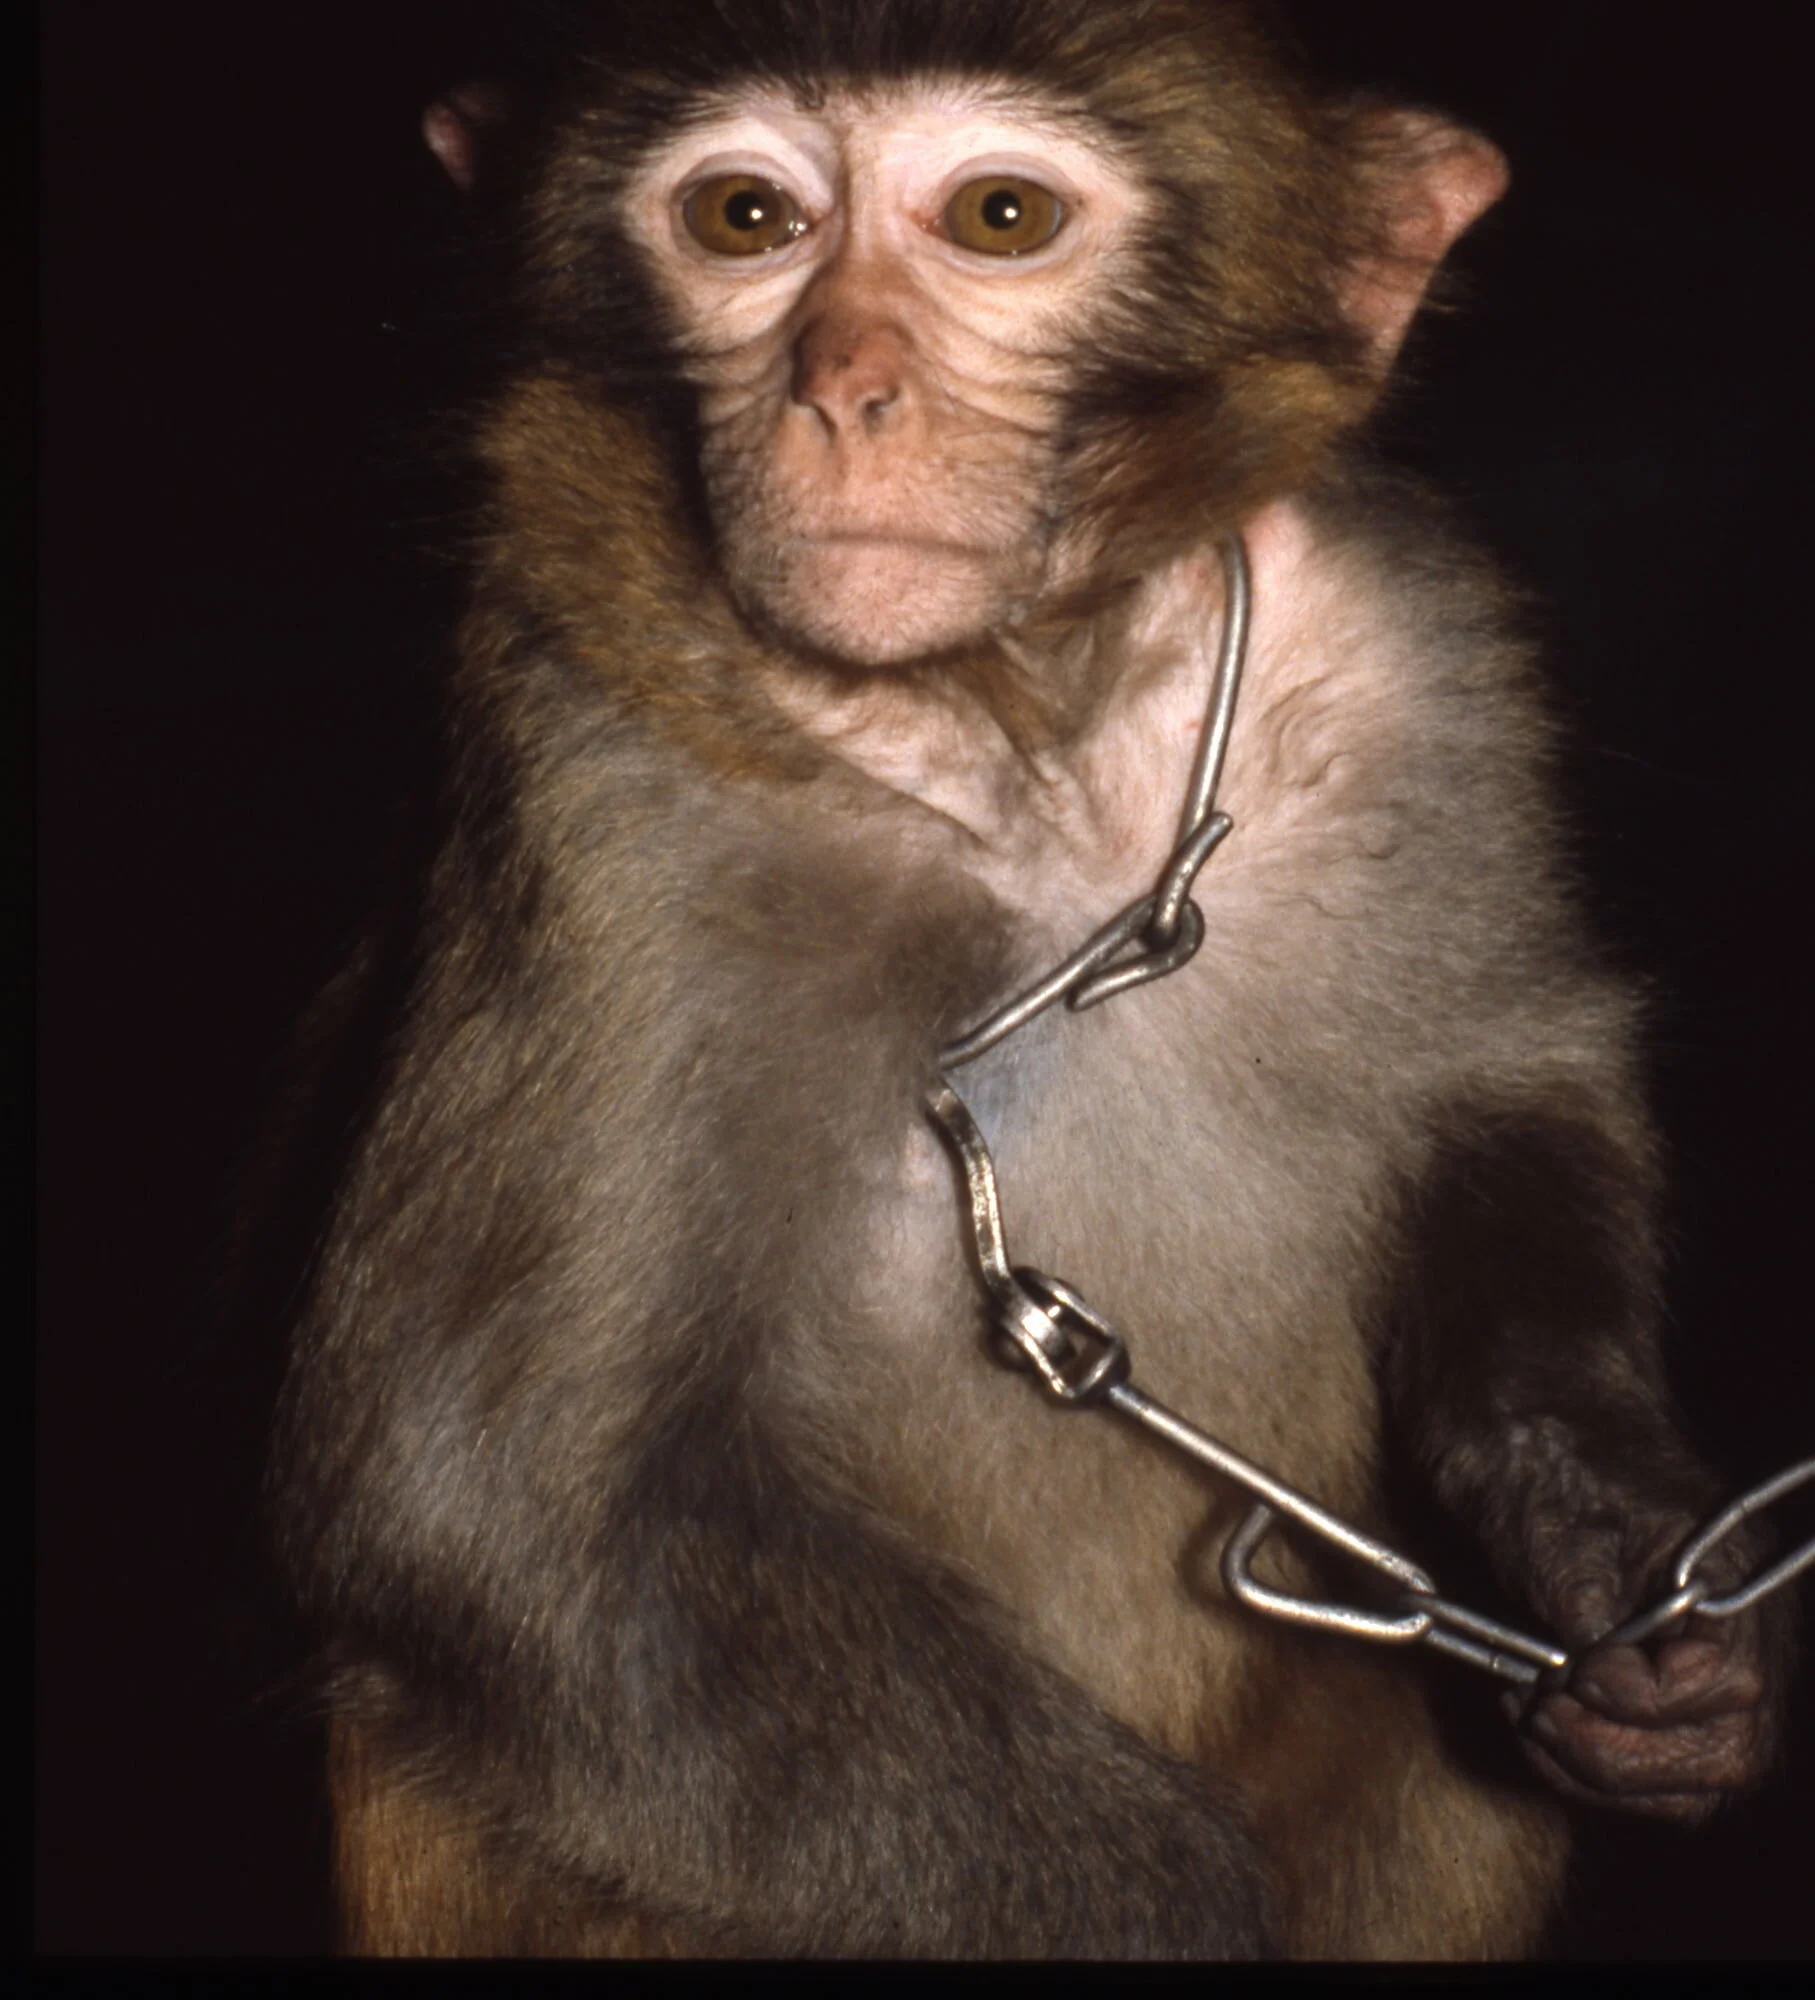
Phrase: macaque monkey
(890, 376)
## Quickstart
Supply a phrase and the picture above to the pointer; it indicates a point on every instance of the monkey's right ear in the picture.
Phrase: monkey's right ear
(454, 127)
(1428, 180)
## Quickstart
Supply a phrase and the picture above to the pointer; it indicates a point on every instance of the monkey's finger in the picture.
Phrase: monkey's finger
(1694, 1678)
(1685, 1809)
(1615, 1757)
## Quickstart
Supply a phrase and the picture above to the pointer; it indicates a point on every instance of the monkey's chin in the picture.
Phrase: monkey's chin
(877, 603)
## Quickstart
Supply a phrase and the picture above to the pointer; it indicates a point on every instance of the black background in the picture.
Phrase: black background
(245, 593)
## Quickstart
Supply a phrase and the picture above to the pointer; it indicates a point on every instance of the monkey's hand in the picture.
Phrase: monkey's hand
(1668, 1728)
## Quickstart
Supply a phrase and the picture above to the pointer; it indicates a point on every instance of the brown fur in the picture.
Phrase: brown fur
(695, 1580)
(418, 1878)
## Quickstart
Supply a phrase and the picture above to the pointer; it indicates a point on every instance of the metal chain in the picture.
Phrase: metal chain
(1082, 1361)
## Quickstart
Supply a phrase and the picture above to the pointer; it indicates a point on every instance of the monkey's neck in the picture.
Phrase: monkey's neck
(1070, 750)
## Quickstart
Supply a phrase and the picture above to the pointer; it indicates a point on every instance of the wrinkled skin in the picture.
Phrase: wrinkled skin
(879, 404)
(1668, 1728)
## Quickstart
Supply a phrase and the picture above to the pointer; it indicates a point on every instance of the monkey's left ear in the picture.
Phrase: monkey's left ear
(454, 128)
(1428, 181)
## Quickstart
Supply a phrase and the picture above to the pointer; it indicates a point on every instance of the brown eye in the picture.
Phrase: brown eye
(1003, 216)
(737, 215)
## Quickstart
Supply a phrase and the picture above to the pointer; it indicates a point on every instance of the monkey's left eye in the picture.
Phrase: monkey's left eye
(738, 215)
(1003, 216)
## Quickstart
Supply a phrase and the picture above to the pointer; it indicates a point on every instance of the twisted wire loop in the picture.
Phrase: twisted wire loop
(1043, 1325)
(1165, 928)
(1039, 1320)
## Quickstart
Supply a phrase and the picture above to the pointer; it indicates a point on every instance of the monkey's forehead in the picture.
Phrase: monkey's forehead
(831, 117)
(934, 117)
(948, 93)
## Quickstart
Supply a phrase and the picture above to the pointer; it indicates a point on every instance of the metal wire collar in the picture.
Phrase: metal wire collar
(1083, 1362)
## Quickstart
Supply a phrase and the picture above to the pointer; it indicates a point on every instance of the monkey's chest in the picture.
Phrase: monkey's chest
(1225, 1233)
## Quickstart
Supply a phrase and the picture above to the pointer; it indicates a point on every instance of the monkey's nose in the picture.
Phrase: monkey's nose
(852, 376)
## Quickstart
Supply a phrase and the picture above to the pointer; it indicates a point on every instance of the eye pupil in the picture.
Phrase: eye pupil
(746, 211)
(1002, 209)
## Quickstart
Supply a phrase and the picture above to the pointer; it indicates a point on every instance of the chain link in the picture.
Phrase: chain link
(1082, 1361)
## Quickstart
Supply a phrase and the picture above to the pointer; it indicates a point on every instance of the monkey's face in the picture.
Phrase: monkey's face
(876, 301)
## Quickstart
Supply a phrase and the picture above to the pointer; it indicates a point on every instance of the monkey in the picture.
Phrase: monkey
(888, 377)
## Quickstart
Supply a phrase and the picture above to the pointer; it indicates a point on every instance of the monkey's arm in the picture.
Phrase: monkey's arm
(1526, 1370)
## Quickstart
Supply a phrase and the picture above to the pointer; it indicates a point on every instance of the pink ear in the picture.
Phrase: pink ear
(1434, 180)
(453, 125)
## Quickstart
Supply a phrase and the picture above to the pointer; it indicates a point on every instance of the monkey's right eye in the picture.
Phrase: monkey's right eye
(738, 215)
